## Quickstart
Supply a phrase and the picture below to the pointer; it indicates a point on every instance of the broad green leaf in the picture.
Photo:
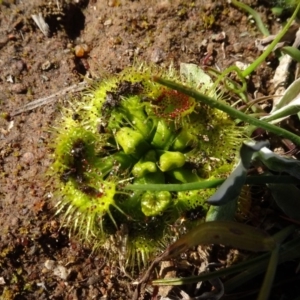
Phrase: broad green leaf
(195, 76)
(287, 197)
(223, 212)
(227, 233)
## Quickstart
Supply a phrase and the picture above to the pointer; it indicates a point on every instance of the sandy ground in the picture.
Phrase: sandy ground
(37, 260)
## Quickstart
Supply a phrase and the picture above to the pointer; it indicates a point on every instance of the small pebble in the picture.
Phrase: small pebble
(219, 37)
(157, 55)
(46, 65)
(49, 264)
(18, 88)
(14, 221)
(3, 41)
(108, 22)
(61, 272)
(113, 3)
(81, 50)
(93, 279)
(204, 43)
(20, 65)
(10, 78)
(28, 158)
(17, 67)
(44, 78)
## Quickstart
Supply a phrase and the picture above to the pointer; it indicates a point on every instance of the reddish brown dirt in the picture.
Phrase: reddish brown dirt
(32, 66)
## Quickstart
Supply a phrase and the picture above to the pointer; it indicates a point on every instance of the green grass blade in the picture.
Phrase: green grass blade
(270, 48)
(255, 15)
(283, 113)
(292, 51)
(269, 276)
(273, 262)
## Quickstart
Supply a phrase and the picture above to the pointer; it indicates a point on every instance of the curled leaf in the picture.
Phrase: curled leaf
(279, 163)
(131, 141)
(231, 187)
(154, 203)
(171, 160)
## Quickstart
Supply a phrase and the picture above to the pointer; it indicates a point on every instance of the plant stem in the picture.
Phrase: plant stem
(208, 184)
(228, 109)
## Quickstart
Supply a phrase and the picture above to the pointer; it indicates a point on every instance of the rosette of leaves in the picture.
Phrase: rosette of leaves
(129, 129)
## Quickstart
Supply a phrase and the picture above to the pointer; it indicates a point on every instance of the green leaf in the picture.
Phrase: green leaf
(279, 163)
(131, 141)
(277, 11)
(223, 212)
(171, 160)
(288, 105)
(227, 233)
(254, 14)
(292, 51)
(287, 197)
(265, 290)
(194, 75)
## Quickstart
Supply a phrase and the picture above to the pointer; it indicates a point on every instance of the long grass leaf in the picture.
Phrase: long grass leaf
(227, 109)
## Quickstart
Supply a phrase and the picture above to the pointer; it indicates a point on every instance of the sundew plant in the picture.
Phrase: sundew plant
(133, 155)
(129, 129)
(132, 158)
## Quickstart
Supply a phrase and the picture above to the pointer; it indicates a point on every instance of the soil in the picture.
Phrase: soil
(38, 258)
